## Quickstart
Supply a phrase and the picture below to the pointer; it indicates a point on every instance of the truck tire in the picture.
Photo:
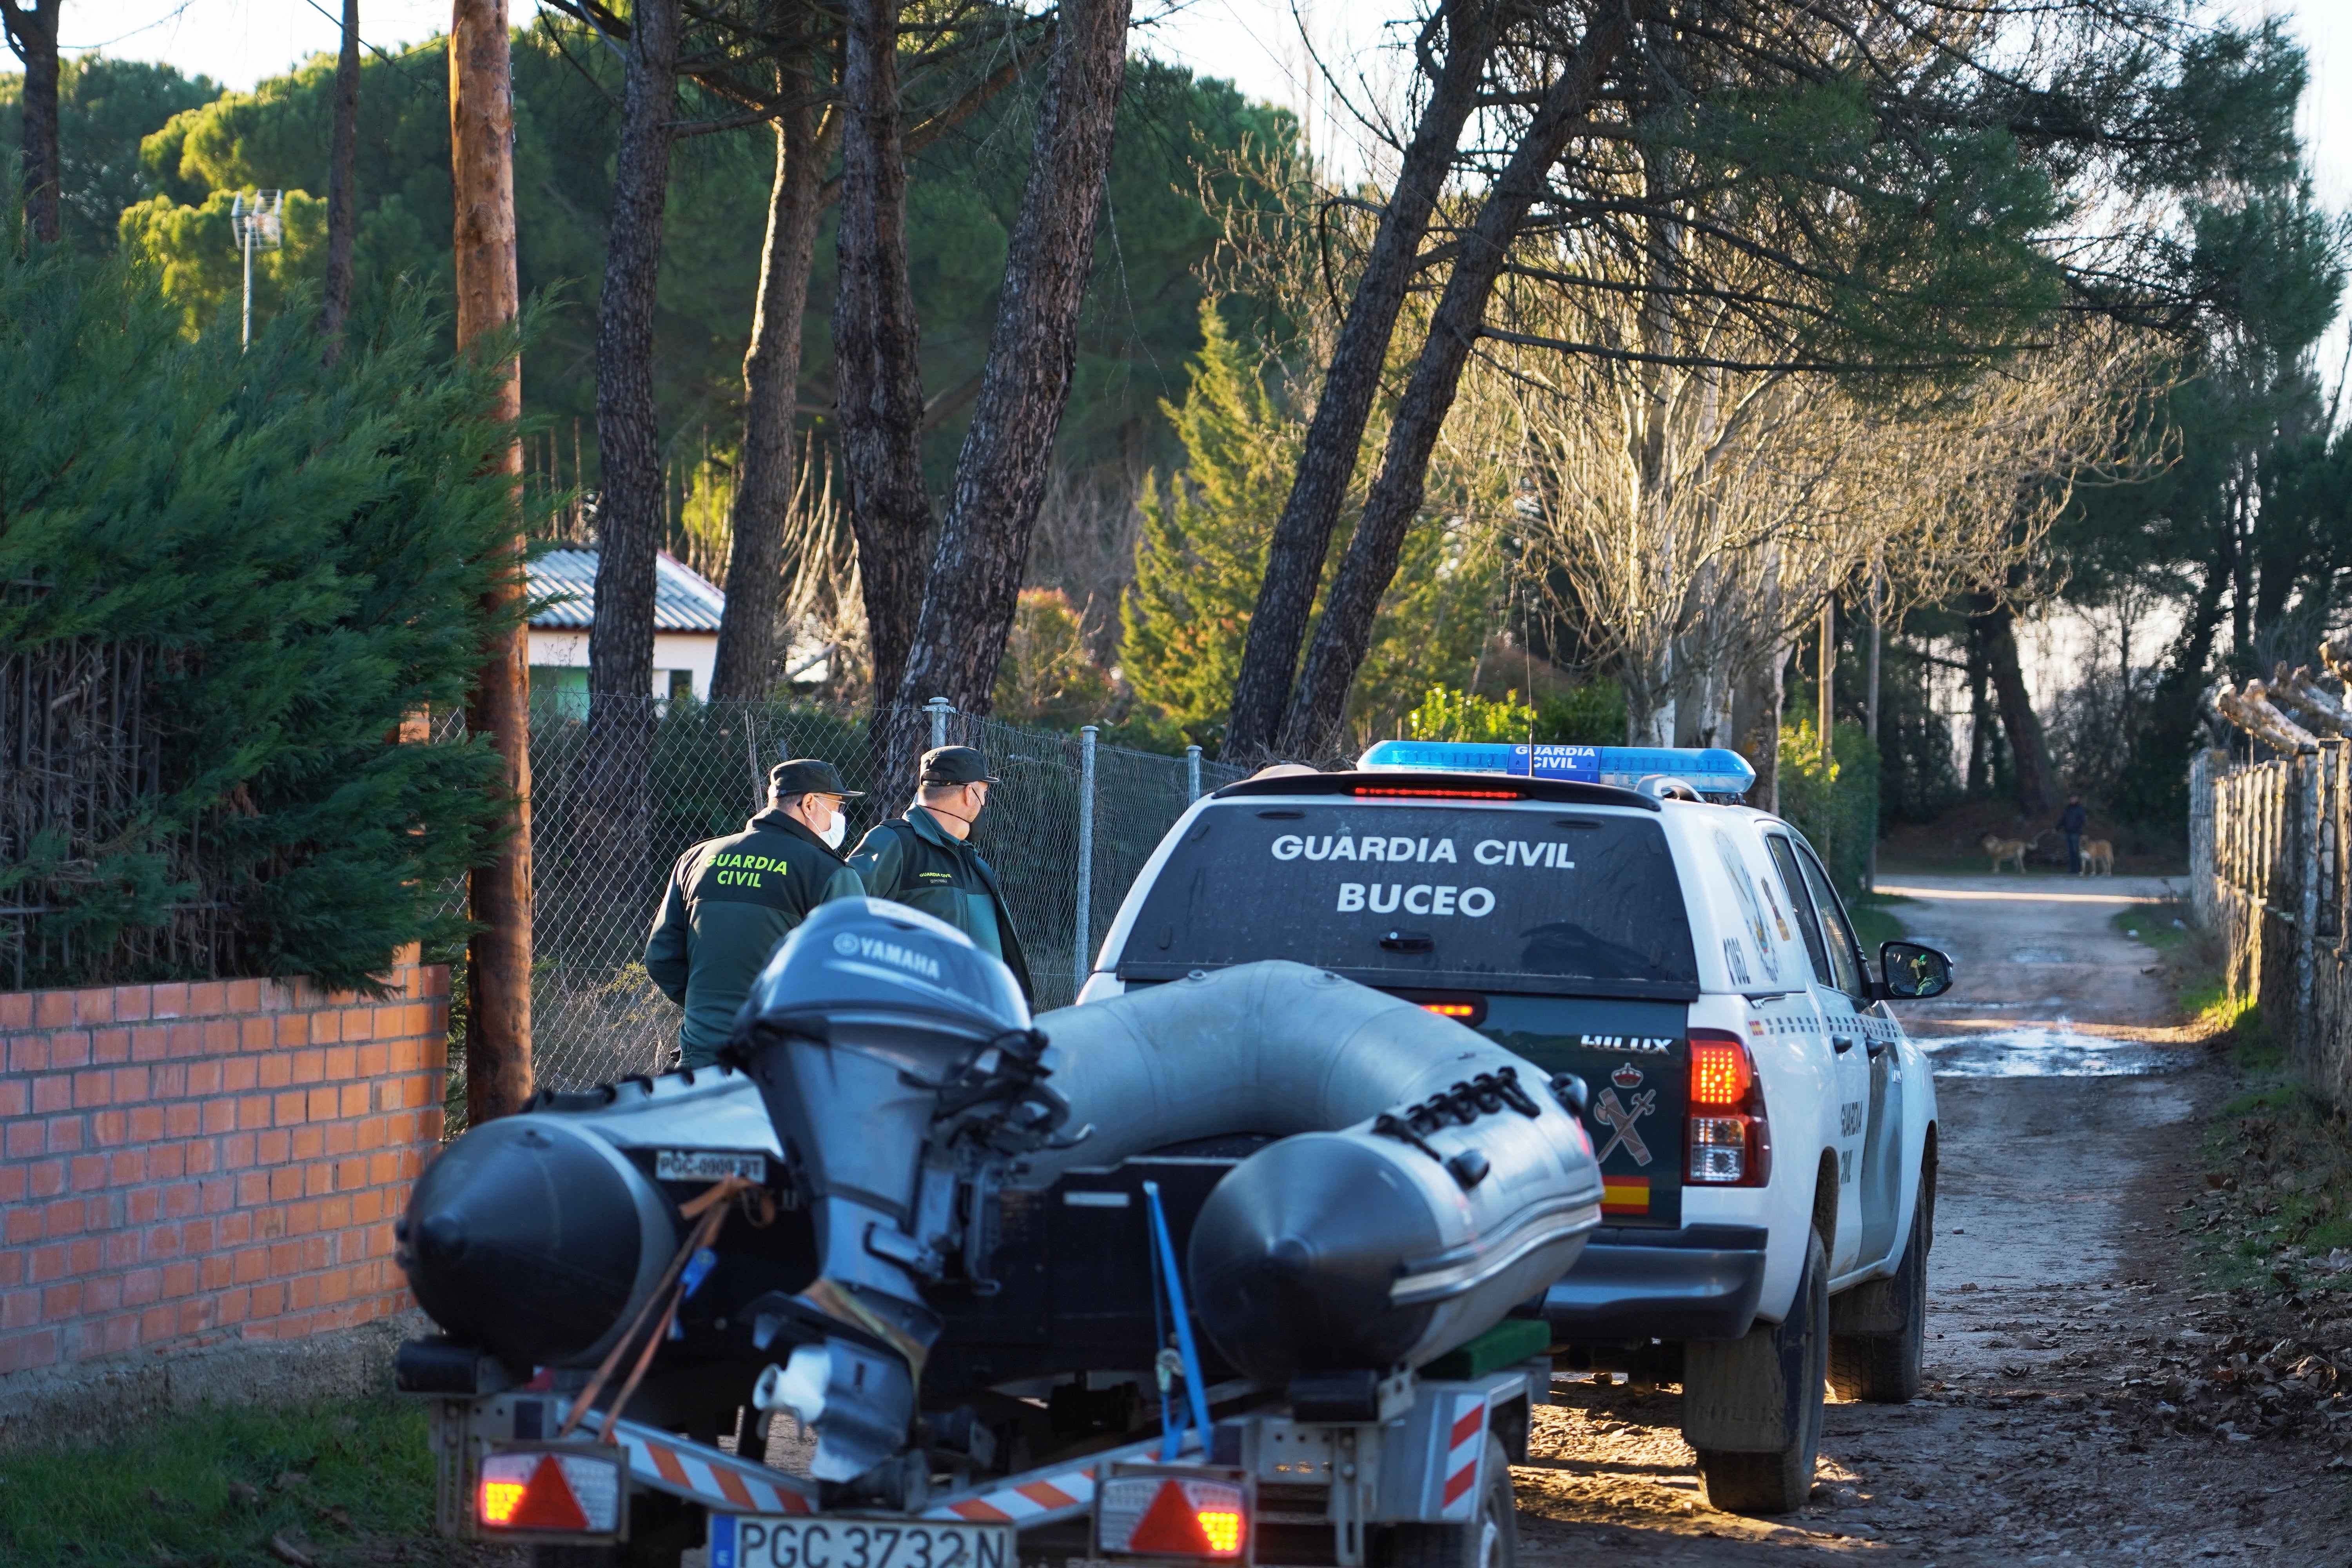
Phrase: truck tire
(1490, 1539)
(1882, 1367)
(1787, 1362)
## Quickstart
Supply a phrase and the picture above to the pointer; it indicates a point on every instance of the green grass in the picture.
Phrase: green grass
(1873, 920)
(343, 1481)
(2163, 927)
(2278, 1194)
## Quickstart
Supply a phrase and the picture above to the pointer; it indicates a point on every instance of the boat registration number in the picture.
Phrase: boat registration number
(739, 1541)
(702, 1165)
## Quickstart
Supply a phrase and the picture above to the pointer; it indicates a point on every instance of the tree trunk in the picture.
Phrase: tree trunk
(33, 35)
(1001, 473)
(628, 439)
(342, 196)
(497, 965)
(1756, 726)
(1981, 760)
(877, 347)
(1318, 709)
(1327, 465)
(2028, 750)
(771, 377)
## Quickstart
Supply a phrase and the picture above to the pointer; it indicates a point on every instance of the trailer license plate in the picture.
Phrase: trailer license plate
(738, 1541)
(702, 1165)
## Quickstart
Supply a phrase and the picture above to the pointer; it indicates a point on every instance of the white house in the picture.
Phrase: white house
(686, 611)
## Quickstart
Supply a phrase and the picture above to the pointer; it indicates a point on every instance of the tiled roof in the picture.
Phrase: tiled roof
(684, 600)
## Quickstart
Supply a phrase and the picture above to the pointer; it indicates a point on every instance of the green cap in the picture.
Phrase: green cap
(956, 765)
(807, 775)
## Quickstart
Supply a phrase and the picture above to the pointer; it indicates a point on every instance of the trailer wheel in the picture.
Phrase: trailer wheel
(1488, 1539)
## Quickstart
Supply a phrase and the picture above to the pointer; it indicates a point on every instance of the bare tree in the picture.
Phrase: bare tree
(877, 346)
(772, 376)
(1465, 30)
(1001, 472)
(32, 30)
(343, 182)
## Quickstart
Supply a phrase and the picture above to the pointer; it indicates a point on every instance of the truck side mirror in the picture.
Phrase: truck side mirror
(1913, 970)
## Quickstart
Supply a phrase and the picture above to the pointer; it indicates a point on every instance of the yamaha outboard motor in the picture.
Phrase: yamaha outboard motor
(898, 1064)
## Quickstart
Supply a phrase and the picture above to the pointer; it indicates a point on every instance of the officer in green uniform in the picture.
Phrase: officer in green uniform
(732, 900)
(925, 859)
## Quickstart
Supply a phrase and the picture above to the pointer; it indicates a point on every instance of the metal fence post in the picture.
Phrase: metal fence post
(1080, 945)
(938, 708)
(1191, 772)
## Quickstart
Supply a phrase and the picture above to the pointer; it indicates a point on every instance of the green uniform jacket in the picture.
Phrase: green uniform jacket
(918, 863)
(730, 901)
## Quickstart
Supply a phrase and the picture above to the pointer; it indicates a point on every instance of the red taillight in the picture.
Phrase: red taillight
(1727, 1142)
(1166, 1516)
(565, 1493)
(1438, 794)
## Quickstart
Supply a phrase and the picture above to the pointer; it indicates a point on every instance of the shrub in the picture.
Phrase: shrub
(1445, 714)
(1833, 802)
(302, 554)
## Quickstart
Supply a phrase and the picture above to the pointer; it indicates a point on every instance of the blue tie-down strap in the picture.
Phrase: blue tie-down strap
(1196, 1391)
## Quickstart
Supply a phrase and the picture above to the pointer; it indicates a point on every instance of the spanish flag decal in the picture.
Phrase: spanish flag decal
(1624, 1194)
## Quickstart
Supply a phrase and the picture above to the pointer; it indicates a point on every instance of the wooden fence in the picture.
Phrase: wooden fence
(2267, 876)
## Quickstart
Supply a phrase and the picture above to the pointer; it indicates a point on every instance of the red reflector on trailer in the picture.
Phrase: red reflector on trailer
(1184, 1517)
(570, 1493)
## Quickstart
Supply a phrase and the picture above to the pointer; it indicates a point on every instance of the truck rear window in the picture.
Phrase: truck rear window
(1558, 900)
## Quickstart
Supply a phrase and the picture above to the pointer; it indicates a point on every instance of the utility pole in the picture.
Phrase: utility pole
(1826, 672)
(258, 221)
(498, 970)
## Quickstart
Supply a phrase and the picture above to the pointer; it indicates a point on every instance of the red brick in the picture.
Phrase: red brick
(233, 1307)
(253, 1111)
(62, 1134)
(241, 1075)
(367, 1207)
(21, 1224)
(94, 1006)
(127, 1167)
(187, 1038)
(196, 1237)
(277, 1069)
(353, 1100)
(28, 1053)
(174, 1280)
(86, 1172)
(61, 1301)
(150, 1042)
(12, 1185)
(309, 1142)
(52, 1009)
(196, 1316)
(326, 1027)
(144, 1206)
(132, 1003)
(25, 1140)
(207, 999)
(274, 1147)
(16, 1096)
(252, 1264)
(168, 1080)
(63, 1217)
(122, 1248)
(17, 1010)
(204, 1078)
(220, 1194)
(146, 1123)
(20, 1310)
(26, 1352)
(341, 1139)
(103, 1294)
(166, 1240)
(292, 1028)
(184, 1119)
(109, 1127)
(290, 1107)
(222, 1035)
(257, 1034)
(157, 1322)
(252, 1189)
(268, 1300)
(169, 1002)
(95, 1088)
(48, 1262)
(110, 1044)
(285, 1183)
(47, 1179)
(216, 1270)
(351, 1174)
(244, 996)
(53, 1093)
(84, 1254)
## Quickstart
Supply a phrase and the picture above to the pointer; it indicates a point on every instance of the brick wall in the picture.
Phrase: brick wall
(182, 1164)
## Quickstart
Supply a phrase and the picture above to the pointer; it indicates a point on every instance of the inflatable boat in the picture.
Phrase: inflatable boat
(944, 1233)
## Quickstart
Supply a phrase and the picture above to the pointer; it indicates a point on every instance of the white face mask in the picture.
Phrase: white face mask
(835, 831)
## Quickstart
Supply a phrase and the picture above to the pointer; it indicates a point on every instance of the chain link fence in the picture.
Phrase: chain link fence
(1068, 831)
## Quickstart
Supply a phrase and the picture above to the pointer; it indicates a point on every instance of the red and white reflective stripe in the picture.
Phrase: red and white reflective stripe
(1465, 1445)
(1037, 1500)
(708, 1475)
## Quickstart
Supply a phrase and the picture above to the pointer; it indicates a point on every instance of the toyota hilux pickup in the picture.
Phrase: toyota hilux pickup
(1683, 965)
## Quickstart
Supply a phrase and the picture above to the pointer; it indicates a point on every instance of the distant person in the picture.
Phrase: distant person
(733, 900)
(924, 859)
(2072, 822)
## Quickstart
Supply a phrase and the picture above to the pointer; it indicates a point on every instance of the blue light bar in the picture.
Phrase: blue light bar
(1712, 771)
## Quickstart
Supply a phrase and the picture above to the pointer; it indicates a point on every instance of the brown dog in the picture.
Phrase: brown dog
(2098, 858)
(2003, 849)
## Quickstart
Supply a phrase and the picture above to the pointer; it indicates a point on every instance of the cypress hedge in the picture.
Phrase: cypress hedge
(301, 552)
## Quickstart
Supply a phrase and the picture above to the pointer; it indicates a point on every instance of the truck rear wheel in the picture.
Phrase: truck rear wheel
(1882, 1367)
(1784, 1364)
(1490, 1539)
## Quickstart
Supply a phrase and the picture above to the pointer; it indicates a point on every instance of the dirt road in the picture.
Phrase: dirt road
(2070, 1107)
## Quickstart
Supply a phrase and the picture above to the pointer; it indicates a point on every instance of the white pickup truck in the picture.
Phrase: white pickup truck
(1768, 1132)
